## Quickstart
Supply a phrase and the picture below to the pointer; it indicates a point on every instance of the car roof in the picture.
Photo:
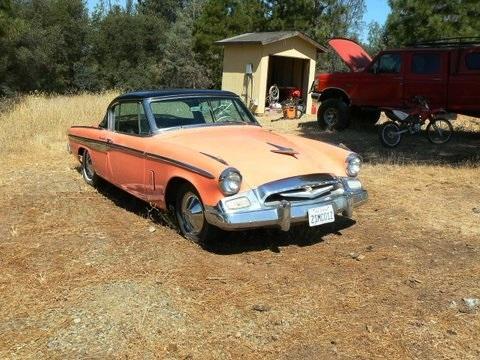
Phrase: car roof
(137, 95)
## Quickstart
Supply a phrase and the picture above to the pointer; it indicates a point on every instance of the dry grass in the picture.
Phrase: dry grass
(39, 122)
(84, 277)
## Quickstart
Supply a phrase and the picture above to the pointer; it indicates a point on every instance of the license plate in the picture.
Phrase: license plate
(321, 215)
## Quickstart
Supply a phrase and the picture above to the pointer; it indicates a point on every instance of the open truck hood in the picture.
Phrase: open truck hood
(352, 54)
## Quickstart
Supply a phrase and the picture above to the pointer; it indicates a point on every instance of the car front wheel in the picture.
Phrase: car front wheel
(190, 214)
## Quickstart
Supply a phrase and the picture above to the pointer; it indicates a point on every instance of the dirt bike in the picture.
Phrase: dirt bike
(439, 129)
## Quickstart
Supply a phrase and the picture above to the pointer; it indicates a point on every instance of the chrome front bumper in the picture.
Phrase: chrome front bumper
(284, 213)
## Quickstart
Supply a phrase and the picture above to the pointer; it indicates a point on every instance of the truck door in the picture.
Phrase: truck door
(382, 82)
(426, 75)
(464, 86)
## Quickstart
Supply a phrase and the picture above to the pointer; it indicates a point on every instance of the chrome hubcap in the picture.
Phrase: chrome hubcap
(330, 116)
(89, 172)
(192, 213)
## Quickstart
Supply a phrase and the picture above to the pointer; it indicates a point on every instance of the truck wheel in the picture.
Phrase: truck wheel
(333, 114)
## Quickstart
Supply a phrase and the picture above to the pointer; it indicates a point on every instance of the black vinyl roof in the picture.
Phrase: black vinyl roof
(137, 95)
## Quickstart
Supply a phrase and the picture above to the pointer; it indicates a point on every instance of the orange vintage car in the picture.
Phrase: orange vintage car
(202, 154)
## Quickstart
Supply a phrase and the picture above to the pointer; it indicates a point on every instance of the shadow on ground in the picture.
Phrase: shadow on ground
(363, 139)
(229, 243)
(275, 239)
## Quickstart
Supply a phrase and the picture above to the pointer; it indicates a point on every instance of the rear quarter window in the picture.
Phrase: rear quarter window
(426, 64)
(472, 61)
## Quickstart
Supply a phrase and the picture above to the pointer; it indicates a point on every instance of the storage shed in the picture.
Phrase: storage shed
(253, 62)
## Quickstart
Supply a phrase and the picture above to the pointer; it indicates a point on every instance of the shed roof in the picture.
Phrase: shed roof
(265, 38)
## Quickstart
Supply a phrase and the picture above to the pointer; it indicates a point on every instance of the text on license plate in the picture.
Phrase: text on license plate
(321, 215)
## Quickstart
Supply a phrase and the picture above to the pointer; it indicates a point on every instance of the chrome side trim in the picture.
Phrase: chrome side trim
(87, 127)
(104, 146)
(97, 145)
(180, 164)
(220, 160)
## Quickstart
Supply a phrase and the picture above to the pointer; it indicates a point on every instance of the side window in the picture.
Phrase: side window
(104, 123)
(472, 61)
(130, 118)
(426, 63)
(388, 64)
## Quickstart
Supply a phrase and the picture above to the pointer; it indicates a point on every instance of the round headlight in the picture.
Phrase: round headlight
(354, 163)
(230, 181)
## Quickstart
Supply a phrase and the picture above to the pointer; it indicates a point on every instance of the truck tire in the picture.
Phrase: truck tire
(333, 114)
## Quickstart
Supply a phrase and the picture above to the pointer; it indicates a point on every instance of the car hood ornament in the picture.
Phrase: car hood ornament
(283, 150)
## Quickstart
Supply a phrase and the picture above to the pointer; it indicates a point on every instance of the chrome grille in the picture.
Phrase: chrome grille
(300, 188)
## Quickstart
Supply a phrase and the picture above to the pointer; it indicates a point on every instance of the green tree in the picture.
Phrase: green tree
(221, 19)
(412, 20)
(125, 49)
(164, 9)
(7, 39)
(321, 20)
(47, 41)
(376, 38)
(180, 67)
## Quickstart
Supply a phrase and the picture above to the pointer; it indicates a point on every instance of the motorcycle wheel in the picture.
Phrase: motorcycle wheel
(439, 131)
(389, 134)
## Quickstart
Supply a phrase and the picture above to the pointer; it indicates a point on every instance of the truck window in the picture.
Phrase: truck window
(426, 63)
(387, 64)
(472, 61)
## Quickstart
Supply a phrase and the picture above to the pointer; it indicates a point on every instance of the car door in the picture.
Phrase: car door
(126, 154)
(99, 149)
(383, 81)
(426, 75)
(464, 86)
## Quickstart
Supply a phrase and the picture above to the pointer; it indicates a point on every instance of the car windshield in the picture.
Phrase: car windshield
(199, 111)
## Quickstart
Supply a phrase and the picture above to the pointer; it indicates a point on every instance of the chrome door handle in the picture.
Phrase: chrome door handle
(108, 141)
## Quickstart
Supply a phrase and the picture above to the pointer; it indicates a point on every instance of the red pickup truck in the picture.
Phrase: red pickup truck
(446, 73)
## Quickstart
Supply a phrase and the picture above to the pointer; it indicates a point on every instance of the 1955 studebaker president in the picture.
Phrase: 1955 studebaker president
(202, 154)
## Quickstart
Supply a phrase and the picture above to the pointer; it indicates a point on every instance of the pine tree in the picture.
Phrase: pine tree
(180, 68)
(221, 19)
(412, 20)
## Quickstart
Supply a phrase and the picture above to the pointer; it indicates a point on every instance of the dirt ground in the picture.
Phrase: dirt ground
(90, 273)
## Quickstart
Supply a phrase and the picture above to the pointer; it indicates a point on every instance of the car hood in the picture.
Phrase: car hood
(260, 155)
(352, 54)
